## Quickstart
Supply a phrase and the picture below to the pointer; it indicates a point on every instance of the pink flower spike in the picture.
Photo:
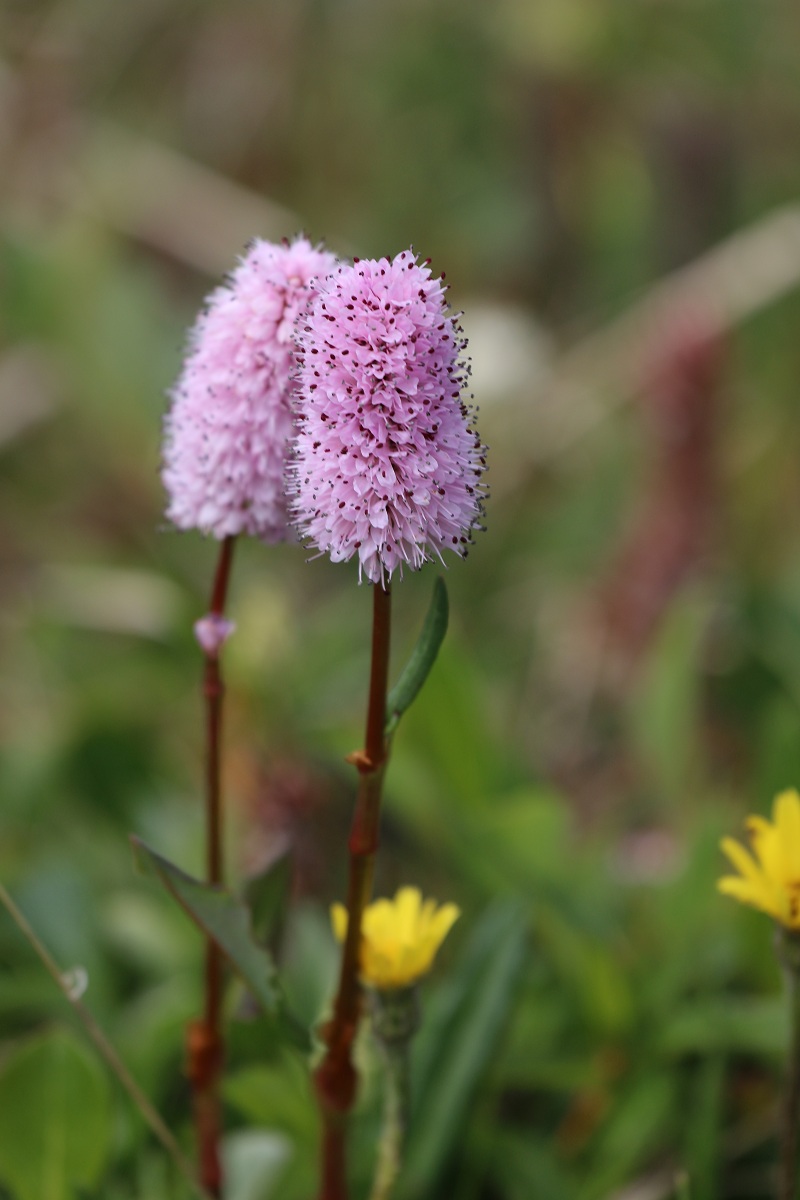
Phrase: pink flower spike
(212, 632)
(227, 431)
(386, 463)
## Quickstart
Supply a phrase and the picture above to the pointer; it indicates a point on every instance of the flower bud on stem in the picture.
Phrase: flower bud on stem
(335, 1078)
(204, 1043)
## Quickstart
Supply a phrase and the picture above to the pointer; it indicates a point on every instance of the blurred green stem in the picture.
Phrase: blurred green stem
(151, 1118)
(395, 1020)
(205, 1045)
(335, 1078)
(395, 1118)
(789, 955)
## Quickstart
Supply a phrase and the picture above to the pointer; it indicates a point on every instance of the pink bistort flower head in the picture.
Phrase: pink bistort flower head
(227, 431)
(386, 463)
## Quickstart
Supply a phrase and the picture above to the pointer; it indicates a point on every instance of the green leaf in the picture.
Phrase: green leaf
(222, 917)
(310, 962)
(254, 1161)
(664, 710)
(265, 895)
(459, 1040)
(702, 1128)
(276, 1095)
(521, 1155)
(449, 760)
(636, 1128)
(54, 1118)
(726, 1024)
(422, 658)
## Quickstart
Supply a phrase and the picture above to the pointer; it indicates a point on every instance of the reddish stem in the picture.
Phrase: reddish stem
(334, 1173)
(204, 1040)
(335, 1077)
(379, 675)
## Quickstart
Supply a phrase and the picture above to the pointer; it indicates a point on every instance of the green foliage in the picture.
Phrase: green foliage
(460, 1038)
(423, 656)
(666, 707)
(600, 1019)
(220, 916)
(253, 1161)
(55, 1123)
(265, 896)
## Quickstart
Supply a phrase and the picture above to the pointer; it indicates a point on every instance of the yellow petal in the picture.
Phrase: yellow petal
(378, 920)
(786, 814)
(443, 922)
(741, 859)
(400, 938)
(750, 893)
(408, 902)
(767, 846)
(770, 877)
(379, 967)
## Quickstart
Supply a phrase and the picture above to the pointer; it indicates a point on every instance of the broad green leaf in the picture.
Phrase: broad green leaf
(254, 1160)
(460, 1040)
(276, 1095)
(310, 962)
(54, 1118)
(422, 658)
(222, 917)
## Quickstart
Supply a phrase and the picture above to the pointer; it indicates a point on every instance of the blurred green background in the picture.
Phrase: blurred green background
(611, 187)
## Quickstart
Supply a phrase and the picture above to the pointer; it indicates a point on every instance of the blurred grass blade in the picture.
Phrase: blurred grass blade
(222, 917)
(703, 1128)
(457, 1043)
(628, 1139)
(422, 658)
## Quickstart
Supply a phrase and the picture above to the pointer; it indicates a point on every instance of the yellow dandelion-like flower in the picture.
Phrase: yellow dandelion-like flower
(399, 938)
(769, 878)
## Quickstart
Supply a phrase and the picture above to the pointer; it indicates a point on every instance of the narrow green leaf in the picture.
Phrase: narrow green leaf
(630, 1136)
(422, 658)
(665, 706)
(725, 1024)
(222, 917)
(265, 895)
(458, 1041)
(702, 1128)
(55, 1120)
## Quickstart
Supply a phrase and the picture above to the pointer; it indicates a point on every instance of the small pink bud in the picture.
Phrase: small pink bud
(212, 632)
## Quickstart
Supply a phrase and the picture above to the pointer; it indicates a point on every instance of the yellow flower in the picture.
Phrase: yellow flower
(399, 938)
(769, 879)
